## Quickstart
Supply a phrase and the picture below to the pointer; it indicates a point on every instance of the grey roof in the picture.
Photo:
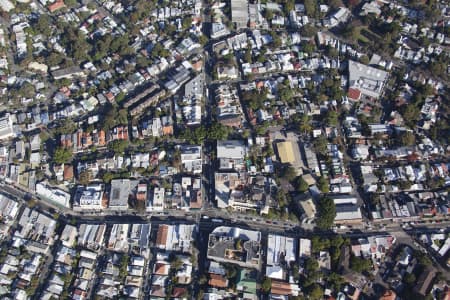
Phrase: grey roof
(120, 191)
(369, 80)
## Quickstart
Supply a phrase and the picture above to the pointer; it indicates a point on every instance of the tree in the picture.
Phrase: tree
(276, 40)
(331, 118)
(409, 279)
(315, 292)
(187, 22)
(310, 7)
(308, 30)
(301, 185)
(248, 55)
(305, 124)
(176, 264)
(322, 184)
(203, 40)
(43, 25)
(266, 285)
(320, 144)
(360, 265)
(326, 210)
(289, 173)
(118, 146)
(364, 59)
(408, 138)
(62, 155)
(85, 177)
(289, 6)
(268, 14)
(311, 265)
(411, 115)
(27, 90)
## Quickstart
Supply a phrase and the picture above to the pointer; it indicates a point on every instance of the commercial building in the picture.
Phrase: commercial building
(90, 197)
(52, 194)
(289, 153)
(91, 235)
(157, 201)
(347, 210)
(239, 13)
(304, 248)
(281, 251)
(175, 237)
(367, 80)
(235, 245)
(120, 193)
(231, 154)
(191, 159)
(6, 127)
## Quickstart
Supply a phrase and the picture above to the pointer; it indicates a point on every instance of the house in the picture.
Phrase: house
(217, 281)
(389, 295)
(70, 72)
(56, 6)
(227, 72)
(289, 153)
(157, 201)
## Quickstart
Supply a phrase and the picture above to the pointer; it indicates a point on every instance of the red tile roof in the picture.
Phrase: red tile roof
(354, 94)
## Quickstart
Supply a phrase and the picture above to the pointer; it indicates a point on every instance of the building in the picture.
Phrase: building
(69, 236)
(425, 281)
(118, 238)
(289, 153)
(373, 246)
(139, 238)
(235, 245)
(175, 237)
(157, 201)
(6, 127)
(280, 249)
(68, 73)
(52, 194)
(37, 230)
(347, 210)
(227, 192)
(120, 193)
(304, 248)
(91, 235)
(239, 13)
(191, 159)
(231, 154)
(90, 197)
(367, 80)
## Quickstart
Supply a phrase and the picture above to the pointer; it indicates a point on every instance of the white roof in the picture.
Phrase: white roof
(231, 149)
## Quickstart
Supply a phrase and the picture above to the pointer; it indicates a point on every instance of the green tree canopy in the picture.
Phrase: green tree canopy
(266, 284)
(360, 265)
(62, 155)
(118, 146)
(322, 184)
(320, 144)
(326, 210)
